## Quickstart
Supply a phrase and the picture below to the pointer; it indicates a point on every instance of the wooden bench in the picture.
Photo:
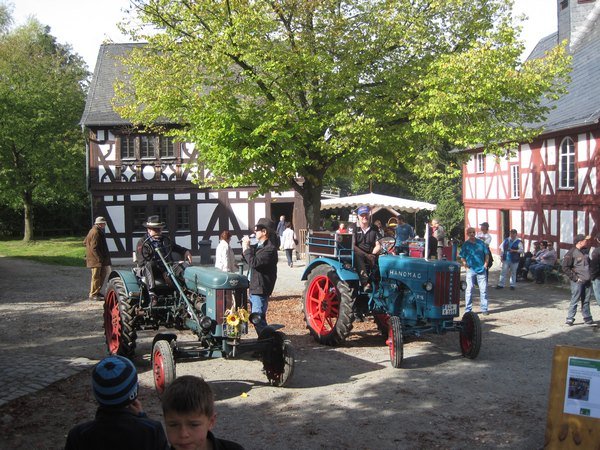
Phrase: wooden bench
(329, 244)
(553, 272)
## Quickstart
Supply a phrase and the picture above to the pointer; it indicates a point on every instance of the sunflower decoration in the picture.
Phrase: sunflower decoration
(234, 318)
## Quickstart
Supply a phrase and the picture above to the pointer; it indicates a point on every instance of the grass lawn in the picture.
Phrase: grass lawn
(61, 251)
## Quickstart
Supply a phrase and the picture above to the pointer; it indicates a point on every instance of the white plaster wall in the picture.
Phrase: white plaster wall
(581, 222)
(107, 151)
(566, 226)
(204, 213)
(231, 194)
(582, 148)
(472, 218)
(213, 195)
(139, 198)
(529, 222)
(551, 149)
(112, 244)
(260, 210)
(117, 215)
(515, 220)
(480, 187)
(285, 194)
(159, 197)
(182, 196)
(493, 189)
(148, 172)
(240, 211)
(244, 194)
(185, 241)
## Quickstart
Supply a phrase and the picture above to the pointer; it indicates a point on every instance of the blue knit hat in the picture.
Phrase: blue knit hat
(115, 382)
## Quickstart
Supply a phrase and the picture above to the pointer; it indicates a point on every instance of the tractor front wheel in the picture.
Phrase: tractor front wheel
(470, 335)
(278, 359)
(119, 329)
(328, 306)
(163, 365)
(395, 341)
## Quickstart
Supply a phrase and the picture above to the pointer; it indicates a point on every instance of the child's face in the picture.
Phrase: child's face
(188, 431)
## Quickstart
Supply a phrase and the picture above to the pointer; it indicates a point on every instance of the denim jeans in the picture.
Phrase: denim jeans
(288, 254)
(506, 266)
(481, 280)
(260, 304)
(580, 292)
(596, 286)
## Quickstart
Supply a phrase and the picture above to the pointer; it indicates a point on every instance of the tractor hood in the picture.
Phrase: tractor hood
(197, 278)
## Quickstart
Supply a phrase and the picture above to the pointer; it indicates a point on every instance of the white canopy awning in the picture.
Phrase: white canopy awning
(377, 200)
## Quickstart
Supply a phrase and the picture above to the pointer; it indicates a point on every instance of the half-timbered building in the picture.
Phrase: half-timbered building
(132, 175)
(549, 188)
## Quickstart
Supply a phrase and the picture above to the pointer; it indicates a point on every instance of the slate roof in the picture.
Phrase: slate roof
(581, 105)
(98, 108)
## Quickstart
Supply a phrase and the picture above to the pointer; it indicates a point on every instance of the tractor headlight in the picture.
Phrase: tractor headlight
(463, 285)
(428, 286)
(255, 318)
(206, 323)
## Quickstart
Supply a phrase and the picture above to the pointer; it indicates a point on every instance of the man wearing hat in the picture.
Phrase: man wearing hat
(262, 261)
(366, 245)
(97, 257)
(576, 266)
(153, 265)
(120, 421)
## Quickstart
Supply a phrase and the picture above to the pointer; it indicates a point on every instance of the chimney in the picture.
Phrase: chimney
(574, 17)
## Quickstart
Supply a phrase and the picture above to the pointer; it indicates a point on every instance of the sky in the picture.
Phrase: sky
(86, 24)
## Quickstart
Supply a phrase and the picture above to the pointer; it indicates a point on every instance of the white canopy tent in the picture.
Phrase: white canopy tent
(377, 201)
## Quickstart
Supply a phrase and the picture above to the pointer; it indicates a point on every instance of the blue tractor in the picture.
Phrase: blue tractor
(410, 296)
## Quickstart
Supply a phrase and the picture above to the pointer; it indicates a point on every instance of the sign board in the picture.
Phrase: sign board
(573, 420)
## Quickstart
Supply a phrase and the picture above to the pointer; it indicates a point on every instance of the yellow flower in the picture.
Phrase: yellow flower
(233, 320)
(243, 314)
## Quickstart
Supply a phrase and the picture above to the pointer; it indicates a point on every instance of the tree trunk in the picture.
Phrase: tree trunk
(28, 216)
(311, 198)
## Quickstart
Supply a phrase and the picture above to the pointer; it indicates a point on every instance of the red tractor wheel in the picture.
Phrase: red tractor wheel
(395, 341)
(470, 335)
(119, 331)
(328, 306)
(163, 365)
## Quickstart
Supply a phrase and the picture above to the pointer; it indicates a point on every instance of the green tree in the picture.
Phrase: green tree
(291, 93)
(42, 95)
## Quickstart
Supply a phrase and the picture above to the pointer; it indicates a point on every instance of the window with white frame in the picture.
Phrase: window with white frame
(480, 162)
(566, 166)
(515, 185)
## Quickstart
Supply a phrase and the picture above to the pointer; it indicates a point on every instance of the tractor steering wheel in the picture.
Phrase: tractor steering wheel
(387, 245)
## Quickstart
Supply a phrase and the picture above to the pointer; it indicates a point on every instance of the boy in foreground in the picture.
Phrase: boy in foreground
(120, 422)
(189, 411)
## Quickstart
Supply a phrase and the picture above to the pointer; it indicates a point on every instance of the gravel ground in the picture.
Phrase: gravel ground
(347, 397)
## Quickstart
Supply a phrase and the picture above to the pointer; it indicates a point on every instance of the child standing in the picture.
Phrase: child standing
(120, 422)
(189, 410)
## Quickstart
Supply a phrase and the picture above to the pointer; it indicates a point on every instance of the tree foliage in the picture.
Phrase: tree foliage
(42, 95)
(276, 91)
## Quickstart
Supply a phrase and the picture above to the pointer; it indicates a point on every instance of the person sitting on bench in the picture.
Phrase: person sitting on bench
(544, 262)
(366, 246)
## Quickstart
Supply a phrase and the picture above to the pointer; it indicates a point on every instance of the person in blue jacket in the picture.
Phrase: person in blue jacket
(510, 254)
(474, 255)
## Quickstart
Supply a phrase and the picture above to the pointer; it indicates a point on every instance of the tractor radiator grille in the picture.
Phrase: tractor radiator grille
(447, 288)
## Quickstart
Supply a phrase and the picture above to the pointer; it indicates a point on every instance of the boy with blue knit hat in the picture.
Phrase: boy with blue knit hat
(120, 422)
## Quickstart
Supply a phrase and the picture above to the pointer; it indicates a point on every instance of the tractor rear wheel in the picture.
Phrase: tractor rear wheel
(278, 360)
(328, 306)
(395, 341)
(163, 365)
(470, 335)
(119, 329)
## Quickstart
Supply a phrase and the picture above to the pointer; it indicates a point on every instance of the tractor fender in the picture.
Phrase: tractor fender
(129, 279)
(342, 272)
(169, 337)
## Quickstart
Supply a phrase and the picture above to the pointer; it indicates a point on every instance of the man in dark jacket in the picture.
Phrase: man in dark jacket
(575, 265)
(120, 422)
(595, 268)
(262, 260)
(149, 262)
(97, 257)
